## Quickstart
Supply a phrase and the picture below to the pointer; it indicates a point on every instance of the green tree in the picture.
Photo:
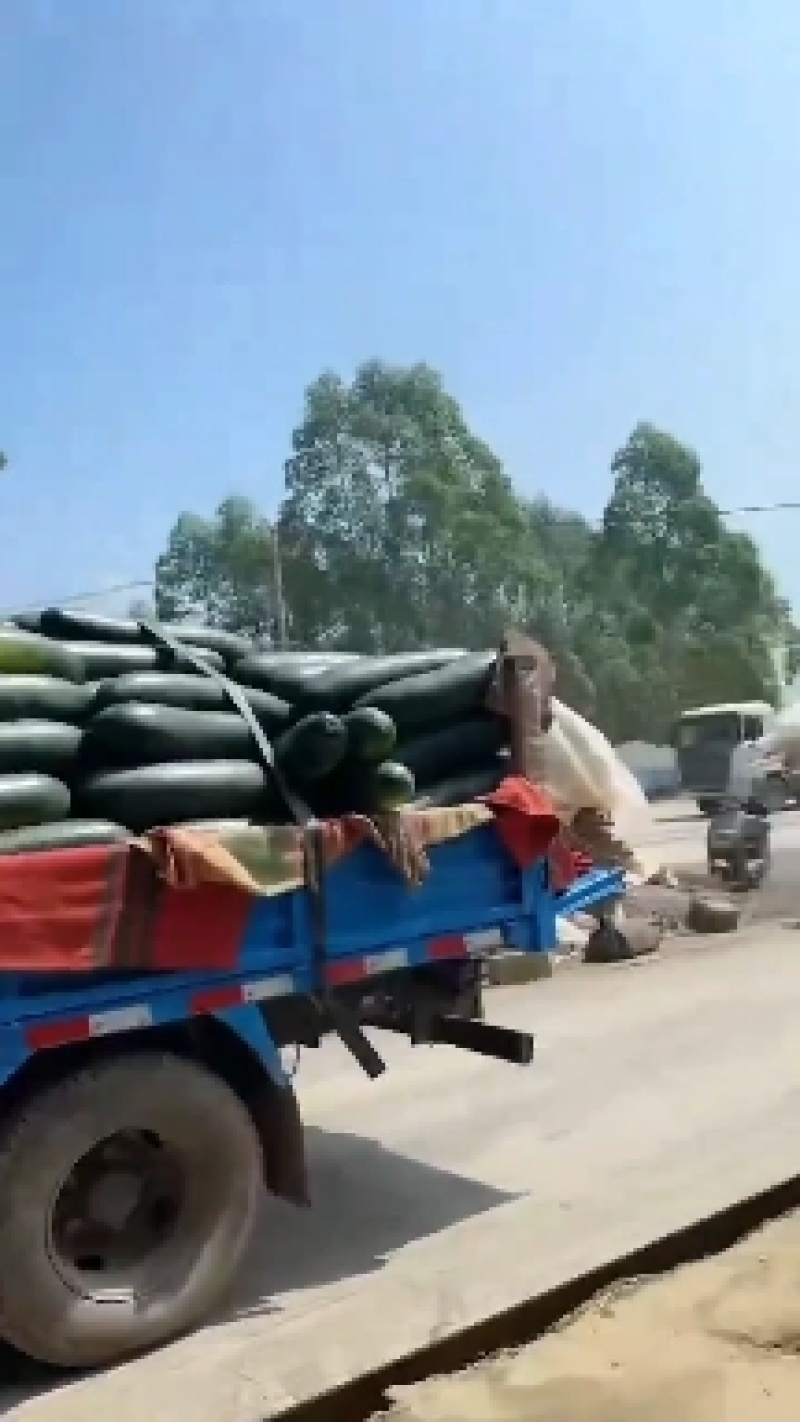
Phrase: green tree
(659, 528)
(400, 527)
(698, 609)
(669, 541)
(220, 570)
(557, 544)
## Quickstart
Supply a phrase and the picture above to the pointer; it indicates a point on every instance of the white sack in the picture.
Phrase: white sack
(581, 770)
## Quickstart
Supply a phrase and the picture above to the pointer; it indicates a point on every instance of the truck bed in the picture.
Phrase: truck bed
(475, 899)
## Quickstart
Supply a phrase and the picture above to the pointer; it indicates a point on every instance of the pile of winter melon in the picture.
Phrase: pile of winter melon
(105, 730)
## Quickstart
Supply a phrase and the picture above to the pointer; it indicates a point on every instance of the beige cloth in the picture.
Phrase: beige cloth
(270, 859)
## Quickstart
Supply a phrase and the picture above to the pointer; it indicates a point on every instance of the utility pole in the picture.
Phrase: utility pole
(277, 584)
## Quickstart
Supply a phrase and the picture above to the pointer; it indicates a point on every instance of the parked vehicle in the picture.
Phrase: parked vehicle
(721, 763)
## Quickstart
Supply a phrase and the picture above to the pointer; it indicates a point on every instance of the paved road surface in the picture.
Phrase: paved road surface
(454, 1187)
(677, 839)
(679, 829)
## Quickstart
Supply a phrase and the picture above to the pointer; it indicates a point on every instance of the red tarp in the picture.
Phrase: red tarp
(118, 906)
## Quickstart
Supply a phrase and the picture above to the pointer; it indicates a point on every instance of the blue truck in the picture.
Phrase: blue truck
(143, 1114)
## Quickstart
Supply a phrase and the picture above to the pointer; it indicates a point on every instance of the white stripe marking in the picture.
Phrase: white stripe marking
(483, 940)
(268, 987)
(120, 1019)
(386, 962)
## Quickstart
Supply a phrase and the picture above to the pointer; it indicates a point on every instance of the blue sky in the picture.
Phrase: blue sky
(583, 212)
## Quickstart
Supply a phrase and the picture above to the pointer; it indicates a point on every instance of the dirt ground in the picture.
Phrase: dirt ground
(714, 1342)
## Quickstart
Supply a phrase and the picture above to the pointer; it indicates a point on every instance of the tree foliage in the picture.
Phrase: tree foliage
(220, 570)
(703, 612)
(400, 528)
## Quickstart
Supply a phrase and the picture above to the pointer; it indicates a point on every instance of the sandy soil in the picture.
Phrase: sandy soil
(714, 1342)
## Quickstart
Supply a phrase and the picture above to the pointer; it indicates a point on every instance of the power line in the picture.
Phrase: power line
(759, 508)
(108, 591)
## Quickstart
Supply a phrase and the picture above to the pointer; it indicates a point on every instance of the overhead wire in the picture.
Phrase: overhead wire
(759, 508)
(91, 596)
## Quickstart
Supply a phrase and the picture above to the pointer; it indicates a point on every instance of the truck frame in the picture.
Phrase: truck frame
(142, 1114)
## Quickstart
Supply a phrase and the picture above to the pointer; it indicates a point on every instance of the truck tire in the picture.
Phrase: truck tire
(128, 1195)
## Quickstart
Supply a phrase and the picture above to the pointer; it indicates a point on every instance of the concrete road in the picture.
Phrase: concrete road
(679, 829)
(454, 1187)
(677, 839)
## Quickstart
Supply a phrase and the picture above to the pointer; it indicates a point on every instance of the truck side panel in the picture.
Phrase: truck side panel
(474, 900)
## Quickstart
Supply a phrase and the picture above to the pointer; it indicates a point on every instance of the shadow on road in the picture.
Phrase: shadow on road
(367, 1202)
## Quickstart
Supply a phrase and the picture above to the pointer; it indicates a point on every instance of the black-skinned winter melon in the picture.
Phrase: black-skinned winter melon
(68, 625)
(371, 735)
(230, 645)
(193, 693)
(363, 789)
(340, 688)
(439, 697)
(290, 675)
(187, 790)
(44, 698)
(138, 733)
(32, 800)
(45, 747)
(438, 755)
(111, 659)
(27, 654)
(311, 748)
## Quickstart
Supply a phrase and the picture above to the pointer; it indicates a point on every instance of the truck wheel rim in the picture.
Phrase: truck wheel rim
(120, 1205)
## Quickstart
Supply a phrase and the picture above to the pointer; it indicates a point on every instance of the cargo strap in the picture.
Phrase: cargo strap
(297, 808)
(343, 1021)
(328, 1006)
